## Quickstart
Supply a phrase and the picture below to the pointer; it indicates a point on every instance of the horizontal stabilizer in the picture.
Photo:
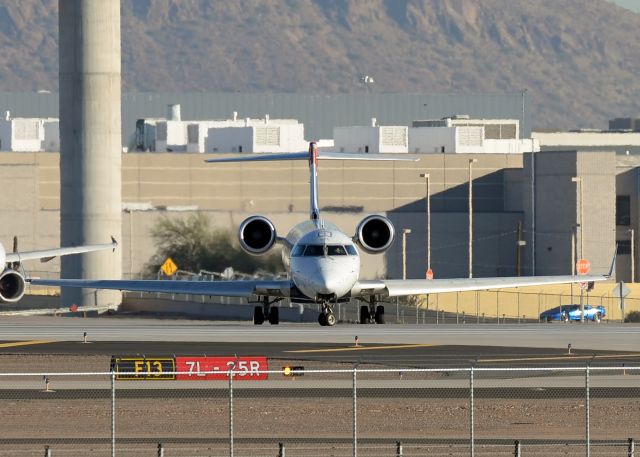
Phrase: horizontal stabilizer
(262, 157)
(48, 254)
(400, 157)
(321, 155)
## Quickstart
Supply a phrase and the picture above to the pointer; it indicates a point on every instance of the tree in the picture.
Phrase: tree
(194, 245)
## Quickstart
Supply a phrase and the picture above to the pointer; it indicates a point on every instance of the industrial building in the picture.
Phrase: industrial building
(29, 134)
(623, 137)
(173, 134)
(598, 189)
(462, 134)
(320, 113)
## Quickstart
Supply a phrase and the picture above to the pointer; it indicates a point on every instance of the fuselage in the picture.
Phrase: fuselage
(323, 262)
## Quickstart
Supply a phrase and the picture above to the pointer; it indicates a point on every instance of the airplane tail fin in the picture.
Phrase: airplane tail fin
(313, 156)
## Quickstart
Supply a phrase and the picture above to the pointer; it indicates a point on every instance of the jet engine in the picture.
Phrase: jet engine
(12, 286)
(374, 234)
(257, 235)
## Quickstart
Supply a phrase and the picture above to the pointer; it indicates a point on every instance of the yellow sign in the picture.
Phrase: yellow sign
(139, 368)
(169, 267)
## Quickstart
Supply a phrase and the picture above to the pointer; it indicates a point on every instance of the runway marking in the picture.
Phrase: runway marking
(361, 348)
(561, 357)
(24, 343)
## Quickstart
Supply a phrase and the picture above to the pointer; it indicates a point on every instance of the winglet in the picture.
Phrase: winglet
(613, 263)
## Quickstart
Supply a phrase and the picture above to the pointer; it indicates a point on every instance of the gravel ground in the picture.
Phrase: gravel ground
(193, 426)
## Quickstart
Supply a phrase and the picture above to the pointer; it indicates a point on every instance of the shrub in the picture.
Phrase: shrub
(194, 245)
(632, 316)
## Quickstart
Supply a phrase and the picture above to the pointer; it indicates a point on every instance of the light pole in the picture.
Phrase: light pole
(633, 255)
(523, 92)
(130, 214)
(578, 181)
(428, 215)
(471, 162)
(405, 232)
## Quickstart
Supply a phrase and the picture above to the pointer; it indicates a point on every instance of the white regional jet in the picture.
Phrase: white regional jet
(12, 280)
(322, 262)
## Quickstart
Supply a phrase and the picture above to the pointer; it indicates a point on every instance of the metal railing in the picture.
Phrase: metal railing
(476, 411)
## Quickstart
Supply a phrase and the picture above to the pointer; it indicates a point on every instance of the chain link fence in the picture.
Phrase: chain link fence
(586, 411)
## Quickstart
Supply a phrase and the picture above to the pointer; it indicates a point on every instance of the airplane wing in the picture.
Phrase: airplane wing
(49, 254)
(275, 288)
(400, 287)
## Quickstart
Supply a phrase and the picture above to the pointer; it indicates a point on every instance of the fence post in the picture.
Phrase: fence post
(113, 414)
(471, 418)
(281, 450)
(516, 453)
(160, 450)
(231, 410)
(588, 417)
(355, 414)
(632, 448)
(398, 449)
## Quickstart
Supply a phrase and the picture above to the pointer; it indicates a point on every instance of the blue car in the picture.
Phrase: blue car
(567, 313)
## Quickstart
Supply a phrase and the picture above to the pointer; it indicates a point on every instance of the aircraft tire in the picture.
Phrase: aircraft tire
(364, 314)
(379, 314)
(330, 319)
(322, 319)
(258, 315)
(274, 315)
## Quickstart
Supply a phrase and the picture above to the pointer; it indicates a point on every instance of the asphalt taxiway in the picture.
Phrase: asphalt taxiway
(599, 337)
(386, 355)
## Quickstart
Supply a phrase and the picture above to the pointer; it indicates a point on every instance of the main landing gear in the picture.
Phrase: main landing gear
(326, 316)
(372, 313)
(266, 312)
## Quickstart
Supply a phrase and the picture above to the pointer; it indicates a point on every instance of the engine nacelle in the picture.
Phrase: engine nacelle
(375, 234)
(257, 235)
(12, 286)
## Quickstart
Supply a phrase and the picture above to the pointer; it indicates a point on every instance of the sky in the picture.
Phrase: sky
(633, 5)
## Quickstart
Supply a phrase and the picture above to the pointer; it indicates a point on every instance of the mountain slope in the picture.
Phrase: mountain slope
(578, 58)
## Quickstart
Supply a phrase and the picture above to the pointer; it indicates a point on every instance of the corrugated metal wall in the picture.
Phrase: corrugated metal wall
(319, 113)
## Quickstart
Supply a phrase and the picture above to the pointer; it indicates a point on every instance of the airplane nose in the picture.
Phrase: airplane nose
(329, 281)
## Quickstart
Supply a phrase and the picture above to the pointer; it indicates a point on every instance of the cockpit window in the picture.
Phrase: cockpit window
(336, 250)
(318, 250)
(298, 250)
(314, 250)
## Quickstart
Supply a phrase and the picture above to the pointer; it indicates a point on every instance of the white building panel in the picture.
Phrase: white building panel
(229, 139)
(29, 134)
(371, 139)
(196, 137)
(292, 138)
(587, 139)
(469, 136)
(511, 146)
(424, 140)
(5, 135)
(51, 141)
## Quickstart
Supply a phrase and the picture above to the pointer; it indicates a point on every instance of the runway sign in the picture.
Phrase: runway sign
(215, 368)
(140, 368)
